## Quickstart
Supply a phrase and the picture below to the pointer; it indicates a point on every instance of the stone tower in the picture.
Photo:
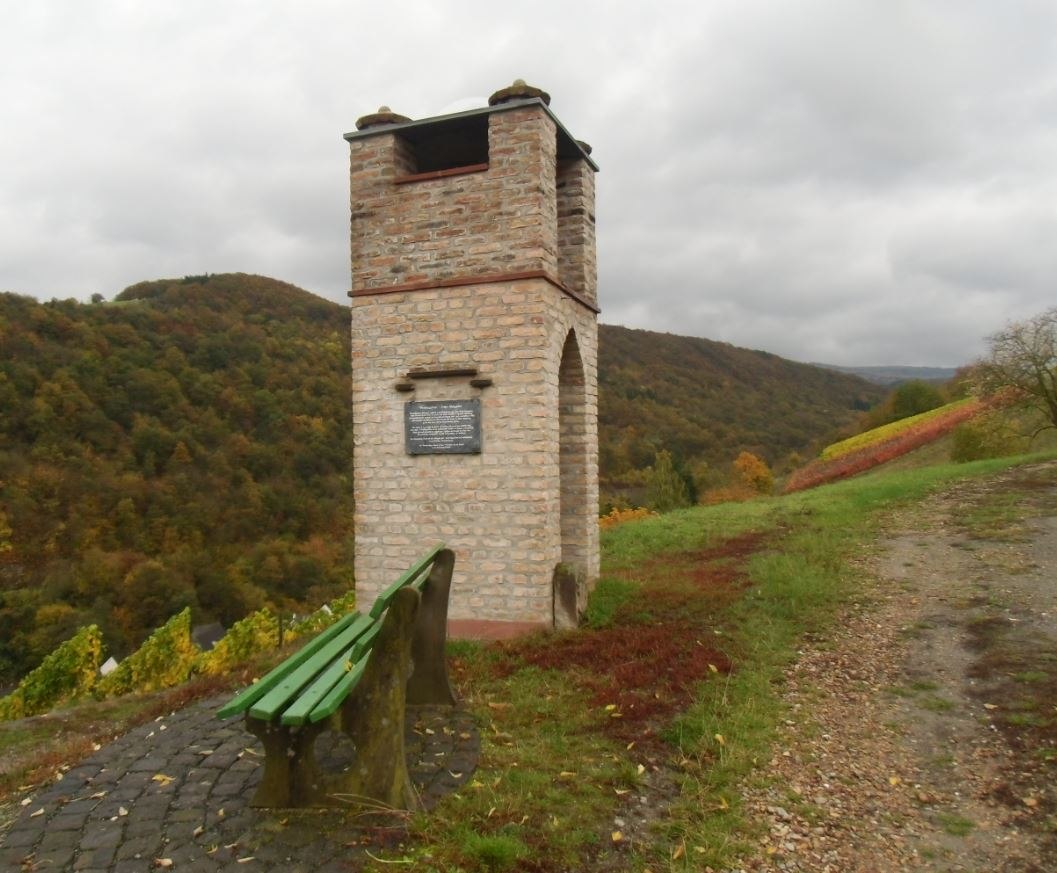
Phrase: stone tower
(474, 358)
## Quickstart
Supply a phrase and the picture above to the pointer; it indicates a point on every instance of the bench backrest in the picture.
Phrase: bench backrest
(311, 684)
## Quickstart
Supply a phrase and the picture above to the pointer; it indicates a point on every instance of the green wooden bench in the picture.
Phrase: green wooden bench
(356, 678)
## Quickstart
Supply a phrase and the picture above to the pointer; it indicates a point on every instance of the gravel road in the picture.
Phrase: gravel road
(922, 733)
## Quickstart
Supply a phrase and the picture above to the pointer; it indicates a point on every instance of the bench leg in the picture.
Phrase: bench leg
(429, 680)
(373, 719)
(373, 716)
(276, 786)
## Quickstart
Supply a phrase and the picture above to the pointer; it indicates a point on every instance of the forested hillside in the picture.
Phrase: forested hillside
(706, 401)
(187, 444)
(190, 442)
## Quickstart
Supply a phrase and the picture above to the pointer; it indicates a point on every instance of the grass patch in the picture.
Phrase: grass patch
(609, 595)
(1032, 676)
(956, 825)
(999, 517)
(1026, 719)
(943, 760)
(493, 852)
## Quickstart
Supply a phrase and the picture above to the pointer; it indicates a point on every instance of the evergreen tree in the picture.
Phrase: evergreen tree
(666, 489)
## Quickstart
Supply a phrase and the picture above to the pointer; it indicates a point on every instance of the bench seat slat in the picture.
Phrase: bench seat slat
(269, 706)
(248, 696)
(329, 704)
(419, 567)
(297, 712)
(364, 643)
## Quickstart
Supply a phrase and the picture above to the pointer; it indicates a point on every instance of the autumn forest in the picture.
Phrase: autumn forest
(189, 444)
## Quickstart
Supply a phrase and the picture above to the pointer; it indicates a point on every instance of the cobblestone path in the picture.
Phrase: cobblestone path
(174, 794)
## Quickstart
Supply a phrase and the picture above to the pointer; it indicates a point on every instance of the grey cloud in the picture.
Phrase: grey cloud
(842, 180)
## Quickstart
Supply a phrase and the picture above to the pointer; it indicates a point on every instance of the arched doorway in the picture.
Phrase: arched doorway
(576, 514)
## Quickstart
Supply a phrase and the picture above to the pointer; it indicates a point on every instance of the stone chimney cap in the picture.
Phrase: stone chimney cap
(519, 91)
(384, 115)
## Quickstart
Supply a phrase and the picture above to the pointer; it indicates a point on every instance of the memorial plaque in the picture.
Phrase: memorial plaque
(442, 427)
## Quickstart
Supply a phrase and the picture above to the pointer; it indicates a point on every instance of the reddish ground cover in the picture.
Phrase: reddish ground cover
(647, 663)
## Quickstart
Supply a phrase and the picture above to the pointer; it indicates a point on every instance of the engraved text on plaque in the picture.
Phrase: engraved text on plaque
(442, 427)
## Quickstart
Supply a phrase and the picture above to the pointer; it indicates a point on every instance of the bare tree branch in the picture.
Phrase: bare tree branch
(1022, 361)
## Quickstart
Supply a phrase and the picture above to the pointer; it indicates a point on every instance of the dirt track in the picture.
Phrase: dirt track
(923, 733)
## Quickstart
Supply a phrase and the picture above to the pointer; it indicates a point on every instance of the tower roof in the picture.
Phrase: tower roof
(472, 123)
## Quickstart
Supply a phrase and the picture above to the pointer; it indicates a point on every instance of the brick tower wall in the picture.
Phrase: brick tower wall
(502, 219)
(487, 270)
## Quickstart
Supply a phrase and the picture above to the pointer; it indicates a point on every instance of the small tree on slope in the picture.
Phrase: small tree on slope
(1022, 360)
(666, 489)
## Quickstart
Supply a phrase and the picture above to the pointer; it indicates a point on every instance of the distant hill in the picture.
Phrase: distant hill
(893, 375)
(190, 443)
(707, 401)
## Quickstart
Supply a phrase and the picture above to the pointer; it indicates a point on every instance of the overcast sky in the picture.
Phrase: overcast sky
(831, 180)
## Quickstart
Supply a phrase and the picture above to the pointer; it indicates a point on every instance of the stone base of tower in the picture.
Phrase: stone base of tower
(477, 629)
(528, 500)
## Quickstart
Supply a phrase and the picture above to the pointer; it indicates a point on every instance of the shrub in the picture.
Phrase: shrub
(970, 442)
(620, 516)
(754, 472)
(164, 660)
(990, 436)
(322, 618)
(257, 632)
(915, 397)
(69, 671)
